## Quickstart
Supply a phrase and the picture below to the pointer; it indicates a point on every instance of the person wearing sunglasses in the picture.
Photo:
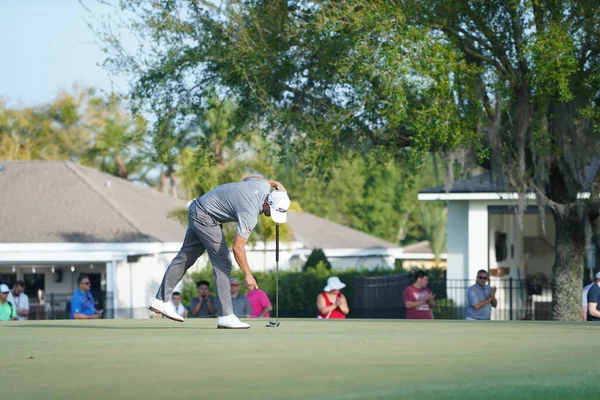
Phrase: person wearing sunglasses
(238, 202)
(481, 298)
(241, 305)
(82, 302)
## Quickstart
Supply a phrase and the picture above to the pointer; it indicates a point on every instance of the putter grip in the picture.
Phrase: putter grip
(277, 242)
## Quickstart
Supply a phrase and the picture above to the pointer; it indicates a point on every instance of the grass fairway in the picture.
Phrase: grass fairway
(302, 359)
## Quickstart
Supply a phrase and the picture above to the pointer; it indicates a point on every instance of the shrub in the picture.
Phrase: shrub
(315, 258)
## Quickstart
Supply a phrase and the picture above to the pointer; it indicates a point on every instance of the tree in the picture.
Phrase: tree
(433, 224)
(117, 137)
(508, 85)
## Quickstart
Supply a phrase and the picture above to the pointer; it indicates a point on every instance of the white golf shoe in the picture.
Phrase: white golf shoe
(166, 309)
(231, 322)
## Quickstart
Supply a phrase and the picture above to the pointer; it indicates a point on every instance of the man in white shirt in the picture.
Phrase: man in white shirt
(179, 308)
(19, 300)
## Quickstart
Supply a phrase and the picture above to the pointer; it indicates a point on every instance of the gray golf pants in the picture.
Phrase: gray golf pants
(203, 233)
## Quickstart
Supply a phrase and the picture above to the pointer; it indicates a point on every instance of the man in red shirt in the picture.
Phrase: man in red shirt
(418, 299)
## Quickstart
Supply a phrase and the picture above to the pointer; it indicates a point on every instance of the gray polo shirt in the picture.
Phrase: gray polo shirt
(203, 313)
(241, 306)
(240, 202)
(475, 294)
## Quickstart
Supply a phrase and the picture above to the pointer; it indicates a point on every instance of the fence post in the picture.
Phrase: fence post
(510, 298)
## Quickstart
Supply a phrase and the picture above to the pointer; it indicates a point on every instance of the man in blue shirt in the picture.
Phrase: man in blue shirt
(481, 298)
(82, 302)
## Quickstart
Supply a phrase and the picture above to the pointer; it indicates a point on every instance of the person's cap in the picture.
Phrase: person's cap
(4, 288)
(597, 275)
(334, 283)
(279, 202)
(234, 280)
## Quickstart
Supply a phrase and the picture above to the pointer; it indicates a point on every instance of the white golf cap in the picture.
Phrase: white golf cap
(334, 283)
(4, 288)
(279, 202)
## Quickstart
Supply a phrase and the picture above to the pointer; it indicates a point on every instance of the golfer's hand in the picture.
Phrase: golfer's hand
(279, 186)
(251, 283)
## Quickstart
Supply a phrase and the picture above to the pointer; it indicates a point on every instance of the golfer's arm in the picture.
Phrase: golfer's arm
(274, 184)
(239, 252)
(265, 311)
(592, 310)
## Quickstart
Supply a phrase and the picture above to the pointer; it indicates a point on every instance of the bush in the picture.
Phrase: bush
(445, 309)
(298, 291)
(315, 258)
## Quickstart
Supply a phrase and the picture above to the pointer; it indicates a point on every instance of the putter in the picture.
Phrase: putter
(275, 324)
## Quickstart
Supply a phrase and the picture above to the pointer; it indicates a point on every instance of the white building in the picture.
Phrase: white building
(484, 231)
(59, 220)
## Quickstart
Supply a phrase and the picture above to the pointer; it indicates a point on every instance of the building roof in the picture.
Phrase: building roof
(65, 202)
(316, 232)
(418, 248)
(483, 183)
(49, 202)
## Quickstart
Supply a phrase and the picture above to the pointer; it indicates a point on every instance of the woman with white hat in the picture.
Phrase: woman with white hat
(331, 302)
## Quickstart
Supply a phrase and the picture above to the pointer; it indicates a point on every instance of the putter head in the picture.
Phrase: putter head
(272, 324)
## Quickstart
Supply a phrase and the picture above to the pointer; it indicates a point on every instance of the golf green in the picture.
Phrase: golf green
(302, 359)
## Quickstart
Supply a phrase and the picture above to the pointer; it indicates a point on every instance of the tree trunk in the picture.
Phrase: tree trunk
(163, 181)
(567, 270)
(173, 180)
(121, 167)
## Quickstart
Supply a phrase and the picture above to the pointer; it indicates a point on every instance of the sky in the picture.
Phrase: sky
(46, 46)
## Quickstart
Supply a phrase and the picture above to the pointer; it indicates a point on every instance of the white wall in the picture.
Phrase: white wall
(478, 238)
(457, 239)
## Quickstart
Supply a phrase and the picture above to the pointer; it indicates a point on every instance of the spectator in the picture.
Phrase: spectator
(179, 308)
(241, 305)
(19, 300)
(8, 311)
(203, 306)
(584, 301)
(82, 302)
(593, 299)
(331, 302)
(481, 298)
(418, 299)
(259, 301)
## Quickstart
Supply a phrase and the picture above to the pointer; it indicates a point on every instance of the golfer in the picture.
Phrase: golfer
(240, 202)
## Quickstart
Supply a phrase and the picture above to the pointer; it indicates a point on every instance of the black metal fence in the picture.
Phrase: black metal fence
(381, 297)
(373, 297)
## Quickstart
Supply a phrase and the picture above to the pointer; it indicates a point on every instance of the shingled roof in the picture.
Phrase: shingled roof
(49, 202)
(61, 202)
(315, 232)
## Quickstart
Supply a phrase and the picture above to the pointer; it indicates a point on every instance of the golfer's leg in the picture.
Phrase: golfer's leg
(217, 249)
(191, 249)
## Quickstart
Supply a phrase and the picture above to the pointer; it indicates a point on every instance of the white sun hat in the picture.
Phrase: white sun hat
(279, 202)
(334, 283)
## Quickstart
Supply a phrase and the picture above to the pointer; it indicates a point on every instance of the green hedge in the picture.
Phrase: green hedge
(298, 291)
